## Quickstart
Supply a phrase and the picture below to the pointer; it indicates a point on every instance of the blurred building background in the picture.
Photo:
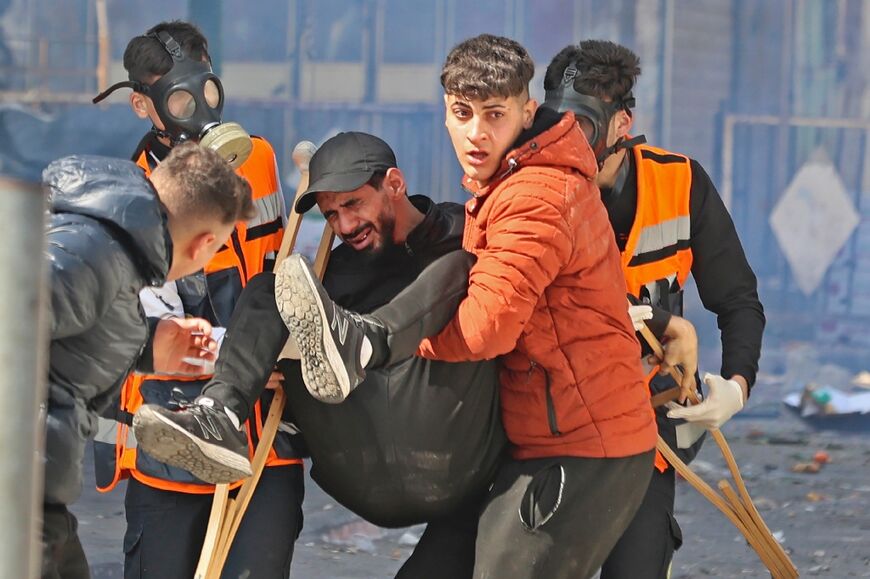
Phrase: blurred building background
(759, 91)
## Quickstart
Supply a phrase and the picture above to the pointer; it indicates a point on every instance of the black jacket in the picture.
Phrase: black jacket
(414, 441)
(107, 238)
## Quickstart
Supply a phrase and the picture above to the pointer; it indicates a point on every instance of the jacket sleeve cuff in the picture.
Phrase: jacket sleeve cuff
(659, 322)
(145, 364)
(748, 372)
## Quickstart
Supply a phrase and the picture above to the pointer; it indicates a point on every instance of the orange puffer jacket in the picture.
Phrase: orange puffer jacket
(547, 294)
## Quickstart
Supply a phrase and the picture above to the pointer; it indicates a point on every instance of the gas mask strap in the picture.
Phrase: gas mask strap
(629, 143)
(170, 44)
(620, 144)
(569, 75)
(157, 132)
(134, 84)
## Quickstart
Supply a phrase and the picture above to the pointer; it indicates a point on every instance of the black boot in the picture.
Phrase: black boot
(198, 437)
(330, 339)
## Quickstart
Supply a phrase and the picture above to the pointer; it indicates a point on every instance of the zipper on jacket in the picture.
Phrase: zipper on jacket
(551, 408)
(512, 164)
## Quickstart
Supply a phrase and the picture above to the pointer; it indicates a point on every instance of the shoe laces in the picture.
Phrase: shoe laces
(178, 400)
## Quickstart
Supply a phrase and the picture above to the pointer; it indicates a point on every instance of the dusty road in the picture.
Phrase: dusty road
(824, 518)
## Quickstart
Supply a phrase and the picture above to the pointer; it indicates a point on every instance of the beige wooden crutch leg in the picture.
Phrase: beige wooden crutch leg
(739, 509)
(226, 513)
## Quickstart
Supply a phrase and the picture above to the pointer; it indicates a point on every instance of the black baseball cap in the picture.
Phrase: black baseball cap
(345, 163)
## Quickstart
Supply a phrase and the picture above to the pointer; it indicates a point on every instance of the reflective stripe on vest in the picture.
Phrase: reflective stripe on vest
(250, 251)
(657, 259)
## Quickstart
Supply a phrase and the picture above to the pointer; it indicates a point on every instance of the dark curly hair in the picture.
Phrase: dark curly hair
(605, 70)
(145, 57)
(486, 66)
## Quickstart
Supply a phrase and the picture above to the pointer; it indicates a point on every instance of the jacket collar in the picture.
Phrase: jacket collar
(439, 224)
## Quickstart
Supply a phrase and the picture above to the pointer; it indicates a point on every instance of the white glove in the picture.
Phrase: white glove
(724, 400)
(638, 314)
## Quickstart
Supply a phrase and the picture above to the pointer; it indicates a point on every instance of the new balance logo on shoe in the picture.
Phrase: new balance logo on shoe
(208, 427)
(341, 323)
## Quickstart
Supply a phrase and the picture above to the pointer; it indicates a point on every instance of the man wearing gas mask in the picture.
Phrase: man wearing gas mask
(669, 222)
(167, 509)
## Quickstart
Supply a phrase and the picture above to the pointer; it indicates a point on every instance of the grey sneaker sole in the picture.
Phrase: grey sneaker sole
(300, 307)
(169, 443)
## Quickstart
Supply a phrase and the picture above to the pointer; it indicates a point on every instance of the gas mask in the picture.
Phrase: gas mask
(189, 100)
(592, 114)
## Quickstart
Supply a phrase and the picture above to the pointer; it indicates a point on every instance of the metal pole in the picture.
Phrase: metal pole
(208, 14)
(23, 356)
(667, 72)
(728, 161)
(103, 47)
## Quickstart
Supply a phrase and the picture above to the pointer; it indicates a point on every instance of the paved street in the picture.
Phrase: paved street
(823, 519)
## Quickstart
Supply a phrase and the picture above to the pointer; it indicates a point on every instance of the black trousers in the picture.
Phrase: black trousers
(257, 333)
(558, 518)
(445, 550)
(165, 529)
(647, 547)
(62, 553)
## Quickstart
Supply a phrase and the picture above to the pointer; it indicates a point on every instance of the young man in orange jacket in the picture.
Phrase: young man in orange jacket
(167, 509)
(547, 296)
(669, 223)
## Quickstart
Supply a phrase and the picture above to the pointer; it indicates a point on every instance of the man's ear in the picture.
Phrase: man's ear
(623, 123)
(446, 107)
(529, 110)
(199, 244)
(139, 104)
(395, 182)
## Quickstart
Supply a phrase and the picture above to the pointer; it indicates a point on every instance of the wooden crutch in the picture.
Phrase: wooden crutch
(226, 513)
(736, 506)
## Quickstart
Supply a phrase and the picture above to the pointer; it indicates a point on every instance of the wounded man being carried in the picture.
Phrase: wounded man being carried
(422, 439)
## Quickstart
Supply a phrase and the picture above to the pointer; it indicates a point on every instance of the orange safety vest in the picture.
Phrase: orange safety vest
(657, 258)
(251, 249)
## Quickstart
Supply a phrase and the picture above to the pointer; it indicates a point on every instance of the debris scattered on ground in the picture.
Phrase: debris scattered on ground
(409, 539)
(862, 379)
(755, 434)
(787, 440)
(806, 467)
(765, 504)
(356, 536)
(779, 536)
(826, 400)
(822, 457)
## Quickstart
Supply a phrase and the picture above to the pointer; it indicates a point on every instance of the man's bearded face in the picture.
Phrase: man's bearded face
(364, 219)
